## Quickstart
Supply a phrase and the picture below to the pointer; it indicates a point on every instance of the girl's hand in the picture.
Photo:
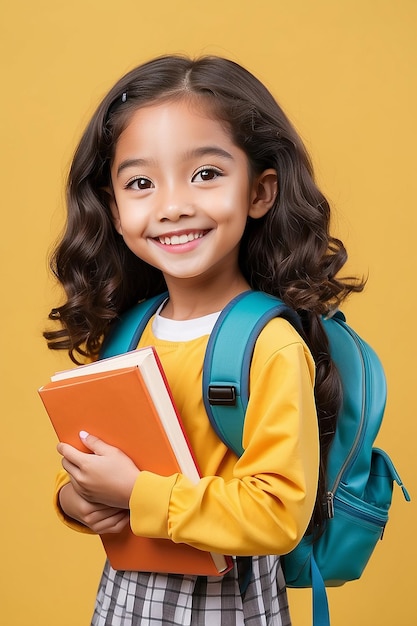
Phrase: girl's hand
(98, 517)
(105, 477)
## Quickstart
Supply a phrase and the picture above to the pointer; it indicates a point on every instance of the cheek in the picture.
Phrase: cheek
(230, 204)
(131, 219)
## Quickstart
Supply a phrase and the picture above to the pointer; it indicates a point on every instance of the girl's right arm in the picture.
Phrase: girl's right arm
(262, 502)
(85, 516)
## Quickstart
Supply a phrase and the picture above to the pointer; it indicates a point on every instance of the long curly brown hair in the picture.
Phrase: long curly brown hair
(289, 253)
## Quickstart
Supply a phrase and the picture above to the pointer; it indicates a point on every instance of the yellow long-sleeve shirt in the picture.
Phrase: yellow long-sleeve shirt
(260, 503)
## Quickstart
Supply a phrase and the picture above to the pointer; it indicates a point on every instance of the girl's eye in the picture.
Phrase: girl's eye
(206, 174)
(140, 183)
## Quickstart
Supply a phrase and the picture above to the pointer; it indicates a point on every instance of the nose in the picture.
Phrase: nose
(175, 203)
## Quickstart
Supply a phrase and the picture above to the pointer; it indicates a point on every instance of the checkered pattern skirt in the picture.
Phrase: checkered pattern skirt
(142, 599)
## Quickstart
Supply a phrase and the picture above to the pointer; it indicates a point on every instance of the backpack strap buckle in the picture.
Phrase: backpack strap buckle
(224, 395)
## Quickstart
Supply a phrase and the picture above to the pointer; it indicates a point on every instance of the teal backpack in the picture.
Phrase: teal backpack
(359, 476)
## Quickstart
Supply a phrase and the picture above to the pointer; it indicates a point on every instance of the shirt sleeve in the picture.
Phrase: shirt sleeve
(264, 508)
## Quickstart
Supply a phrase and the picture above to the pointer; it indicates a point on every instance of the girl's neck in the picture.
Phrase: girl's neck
(192, 301)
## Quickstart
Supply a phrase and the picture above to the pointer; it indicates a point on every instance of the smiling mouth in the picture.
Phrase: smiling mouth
(175, 240)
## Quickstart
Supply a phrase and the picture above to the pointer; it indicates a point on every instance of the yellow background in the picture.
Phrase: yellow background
(345, 73)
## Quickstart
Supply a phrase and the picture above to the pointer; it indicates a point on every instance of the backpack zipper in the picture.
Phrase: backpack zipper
(360, 433)
(330, 504)
(376, 520)
(359, 436)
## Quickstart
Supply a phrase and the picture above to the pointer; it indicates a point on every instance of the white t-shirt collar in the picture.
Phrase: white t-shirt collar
(183, 330)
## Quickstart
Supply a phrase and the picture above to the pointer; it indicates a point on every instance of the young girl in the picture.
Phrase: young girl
(190, 178)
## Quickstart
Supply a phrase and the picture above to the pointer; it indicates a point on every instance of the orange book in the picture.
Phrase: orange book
(126, 402)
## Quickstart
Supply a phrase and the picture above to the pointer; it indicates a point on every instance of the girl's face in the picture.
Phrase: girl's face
(183, 192)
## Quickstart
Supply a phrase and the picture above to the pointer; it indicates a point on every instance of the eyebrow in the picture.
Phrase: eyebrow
(201, 152)
(132, 163)
(208, 151)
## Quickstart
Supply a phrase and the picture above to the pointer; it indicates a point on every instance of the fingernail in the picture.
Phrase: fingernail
(83, 434)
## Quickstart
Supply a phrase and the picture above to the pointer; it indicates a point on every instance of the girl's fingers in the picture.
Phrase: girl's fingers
(107, 521)
(71, 454)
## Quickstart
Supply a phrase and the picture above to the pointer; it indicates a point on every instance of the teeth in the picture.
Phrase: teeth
(179, 239)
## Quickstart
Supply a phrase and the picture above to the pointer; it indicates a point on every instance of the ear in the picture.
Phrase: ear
(114, 209)
(264, 193)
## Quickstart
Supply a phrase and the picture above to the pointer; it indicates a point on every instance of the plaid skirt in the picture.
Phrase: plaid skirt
(142, 599)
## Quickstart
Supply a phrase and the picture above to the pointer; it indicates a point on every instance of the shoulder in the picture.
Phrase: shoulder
(279, 342)
(278, 334)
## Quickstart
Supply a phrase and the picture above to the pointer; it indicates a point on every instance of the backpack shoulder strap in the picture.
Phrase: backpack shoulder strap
(128, 329)
(228, 358)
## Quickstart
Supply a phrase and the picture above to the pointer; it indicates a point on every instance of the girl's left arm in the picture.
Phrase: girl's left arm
(265, 506)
